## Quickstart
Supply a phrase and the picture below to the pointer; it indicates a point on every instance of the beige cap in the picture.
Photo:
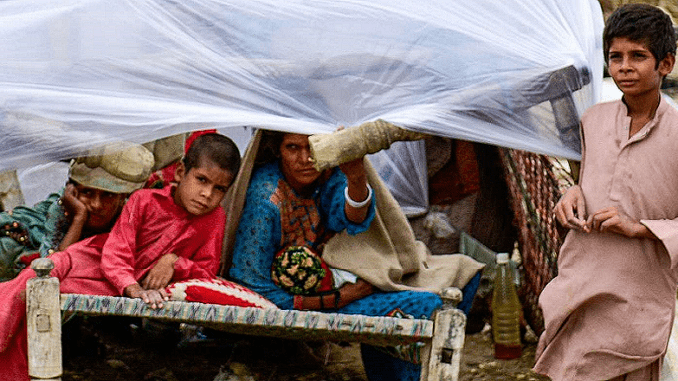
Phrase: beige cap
(120, 167)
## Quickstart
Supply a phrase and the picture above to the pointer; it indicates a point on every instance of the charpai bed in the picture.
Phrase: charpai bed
(442, 337)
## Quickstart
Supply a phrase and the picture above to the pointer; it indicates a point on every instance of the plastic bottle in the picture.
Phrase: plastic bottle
(506, 311)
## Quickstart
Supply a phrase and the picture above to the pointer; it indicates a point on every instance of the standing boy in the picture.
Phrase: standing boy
(161, 236)
(609, 311)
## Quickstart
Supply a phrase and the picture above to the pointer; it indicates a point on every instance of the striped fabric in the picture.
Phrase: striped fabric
(216, 291)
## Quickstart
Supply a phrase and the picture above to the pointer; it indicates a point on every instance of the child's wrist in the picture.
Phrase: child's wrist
(171, 259)
(133, 290)
(78, 216)
(641, 231)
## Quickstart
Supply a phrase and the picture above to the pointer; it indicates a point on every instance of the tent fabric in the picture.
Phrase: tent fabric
(79, 73)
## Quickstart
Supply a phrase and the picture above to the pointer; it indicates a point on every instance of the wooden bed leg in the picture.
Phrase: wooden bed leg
(43, 318)
(448, 340)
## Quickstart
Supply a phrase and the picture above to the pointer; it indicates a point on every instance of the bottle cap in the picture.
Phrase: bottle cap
(502, 258)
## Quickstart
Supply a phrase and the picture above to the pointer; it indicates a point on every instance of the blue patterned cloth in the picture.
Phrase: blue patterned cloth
(44, 234)
(271, 208)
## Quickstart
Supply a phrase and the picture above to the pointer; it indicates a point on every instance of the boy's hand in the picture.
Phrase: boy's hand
(570, 210)
(72, 204)
(609, 220)
(153, 298)
(161, 274)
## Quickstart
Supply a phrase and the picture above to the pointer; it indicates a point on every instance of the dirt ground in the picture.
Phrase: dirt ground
(478, 364)
(117, 349)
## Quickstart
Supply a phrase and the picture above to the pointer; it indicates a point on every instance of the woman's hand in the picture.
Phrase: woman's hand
(153, 298)
(347, 293)
(355, 175)
(351, 292)
(356, 183)
(354, 171)
(356, 179)
(161, 274)
(570, 211)
(610, 220)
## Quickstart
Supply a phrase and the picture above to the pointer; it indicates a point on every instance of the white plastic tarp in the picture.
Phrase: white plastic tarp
(76, 73)
(79, 73)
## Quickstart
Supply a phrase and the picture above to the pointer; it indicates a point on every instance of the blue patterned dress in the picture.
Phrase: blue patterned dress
(275, 217)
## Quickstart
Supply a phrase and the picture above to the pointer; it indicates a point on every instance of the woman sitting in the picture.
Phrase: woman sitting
(289, 204)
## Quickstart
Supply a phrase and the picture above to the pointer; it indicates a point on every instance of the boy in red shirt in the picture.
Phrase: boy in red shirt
(162, 236)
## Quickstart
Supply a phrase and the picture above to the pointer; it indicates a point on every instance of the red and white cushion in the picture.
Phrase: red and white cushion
(217, 291)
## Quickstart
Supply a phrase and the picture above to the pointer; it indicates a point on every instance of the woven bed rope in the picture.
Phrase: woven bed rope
(535, 188)
(257, 321)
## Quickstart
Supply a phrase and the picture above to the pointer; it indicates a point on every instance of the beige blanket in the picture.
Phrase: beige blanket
(387, 255)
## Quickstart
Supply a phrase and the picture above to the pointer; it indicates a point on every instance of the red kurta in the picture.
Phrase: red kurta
(150, 226)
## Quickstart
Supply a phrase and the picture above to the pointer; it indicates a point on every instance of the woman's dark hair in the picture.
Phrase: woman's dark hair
(269, 148)
(641, 23)
(216, 148)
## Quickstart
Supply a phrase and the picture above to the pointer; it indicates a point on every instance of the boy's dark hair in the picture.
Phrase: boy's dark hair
(641, 23)
(216, 148)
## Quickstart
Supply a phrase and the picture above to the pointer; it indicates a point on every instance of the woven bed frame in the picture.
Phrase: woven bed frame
(443, 336)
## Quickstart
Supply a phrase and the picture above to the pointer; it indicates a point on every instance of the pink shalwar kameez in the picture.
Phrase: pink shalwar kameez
(610, 310)
(150, 226)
